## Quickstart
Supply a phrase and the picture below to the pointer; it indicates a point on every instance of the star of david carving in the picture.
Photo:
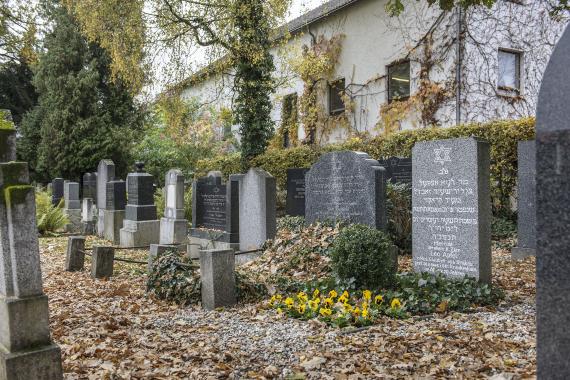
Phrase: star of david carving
(442, 155)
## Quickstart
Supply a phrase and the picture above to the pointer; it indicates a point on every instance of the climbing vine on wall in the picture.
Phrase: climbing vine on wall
(316, 68)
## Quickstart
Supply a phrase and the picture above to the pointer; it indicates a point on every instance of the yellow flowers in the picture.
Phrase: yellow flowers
(378, 299)
(361, 310)
(396, 304)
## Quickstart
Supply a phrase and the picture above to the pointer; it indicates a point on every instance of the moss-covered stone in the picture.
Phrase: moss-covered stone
(14, 173)
(17, 194)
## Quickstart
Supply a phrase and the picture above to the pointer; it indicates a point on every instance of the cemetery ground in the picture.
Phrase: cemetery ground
(109, 329)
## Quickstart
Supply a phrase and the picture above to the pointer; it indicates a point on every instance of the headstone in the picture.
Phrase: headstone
(75, 258)
(257, 209)
(90, 185)
(174, 226)
(114, 212)
(105, 173)
(451, 208)
(218, 278)
(215, 213)
(295, 203)
(57, 191)
(398, 169)
(102, 261)
(26, 349)
(348, 186)
(87, 217)
(553, 217)
(526, 203)
(141, 226)
(72, 206)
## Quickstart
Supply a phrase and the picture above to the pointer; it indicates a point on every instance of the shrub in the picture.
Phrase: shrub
(50, 219)
(502, 228)
(399, 210)
(362, 255)
(291, 223)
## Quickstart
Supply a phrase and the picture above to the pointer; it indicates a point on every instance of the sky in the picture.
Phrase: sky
(298, 7)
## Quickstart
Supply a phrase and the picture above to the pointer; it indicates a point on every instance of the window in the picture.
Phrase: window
(336, 90)
(288, 117)
(399, 81)
(509, 81)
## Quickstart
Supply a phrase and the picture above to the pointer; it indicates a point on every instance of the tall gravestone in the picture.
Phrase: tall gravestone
(88, 203)
(72, 206)
(295, 203)
(257, 209)
(26, 349)
(215, 213)
(57, 191)
(174, 226)
(105, 173)
(114, 212)
(451, 208)
(553, 216)
(398, 169)
(526, 203)
(348, 186)
(141, 226)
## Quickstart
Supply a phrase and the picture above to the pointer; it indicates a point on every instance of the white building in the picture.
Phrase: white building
(401, 72)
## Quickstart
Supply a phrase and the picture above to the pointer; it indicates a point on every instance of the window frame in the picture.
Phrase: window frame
(508, 91)
(331, 87)
(389, 69)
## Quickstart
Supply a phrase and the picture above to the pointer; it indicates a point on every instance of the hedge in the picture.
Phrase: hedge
(502, 135)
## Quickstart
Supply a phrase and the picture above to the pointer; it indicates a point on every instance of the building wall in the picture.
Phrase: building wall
(428, 38)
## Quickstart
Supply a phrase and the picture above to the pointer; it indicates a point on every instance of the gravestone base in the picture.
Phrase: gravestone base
(102, 261)
(24, 323)
(39, 363)
(88, 228)
(217, 270)
(113, 224)
(518, 253)
(201, 239)
(101, 222)
(173, 231)
(75, 257)
(140, 234)
(74, 216)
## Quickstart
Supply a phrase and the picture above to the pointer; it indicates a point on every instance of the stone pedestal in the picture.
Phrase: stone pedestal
(113, 224)
(140, 234)
(75, 258)
(173, 231)
(41, 363)
(102, 262)
(217, 270)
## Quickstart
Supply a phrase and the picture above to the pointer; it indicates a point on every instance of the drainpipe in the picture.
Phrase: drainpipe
(458, 69)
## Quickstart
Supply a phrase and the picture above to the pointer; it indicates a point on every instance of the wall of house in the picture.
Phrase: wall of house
(426, 36)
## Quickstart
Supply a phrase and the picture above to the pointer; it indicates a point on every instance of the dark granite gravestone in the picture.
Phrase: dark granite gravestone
(57, 190)
(451, 208)
(346, 186)
(295, 204)
(105, 173)
(141, 226)
(90, 185)
(553, 217)
(209, 210)
(116, 195)
(526, 203)
(398, 169)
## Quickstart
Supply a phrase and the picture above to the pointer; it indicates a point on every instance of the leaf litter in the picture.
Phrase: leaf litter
(111, 329)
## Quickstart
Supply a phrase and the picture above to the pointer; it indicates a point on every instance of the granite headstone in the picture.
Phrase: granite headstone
(57, 190)
(553, 216)
(398, 169)
(295, 203)
(451, 208)
(90, 186)
(348, 186)
(105, 173)
(526, 202)
(114, 212)
(174, 225)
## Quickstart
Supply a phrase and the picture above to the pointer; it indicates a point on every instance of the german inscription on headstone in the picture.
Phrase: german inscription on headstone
(346, 186)
(553, 217)
(295, 204)
(398, 169)
(451, 208)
